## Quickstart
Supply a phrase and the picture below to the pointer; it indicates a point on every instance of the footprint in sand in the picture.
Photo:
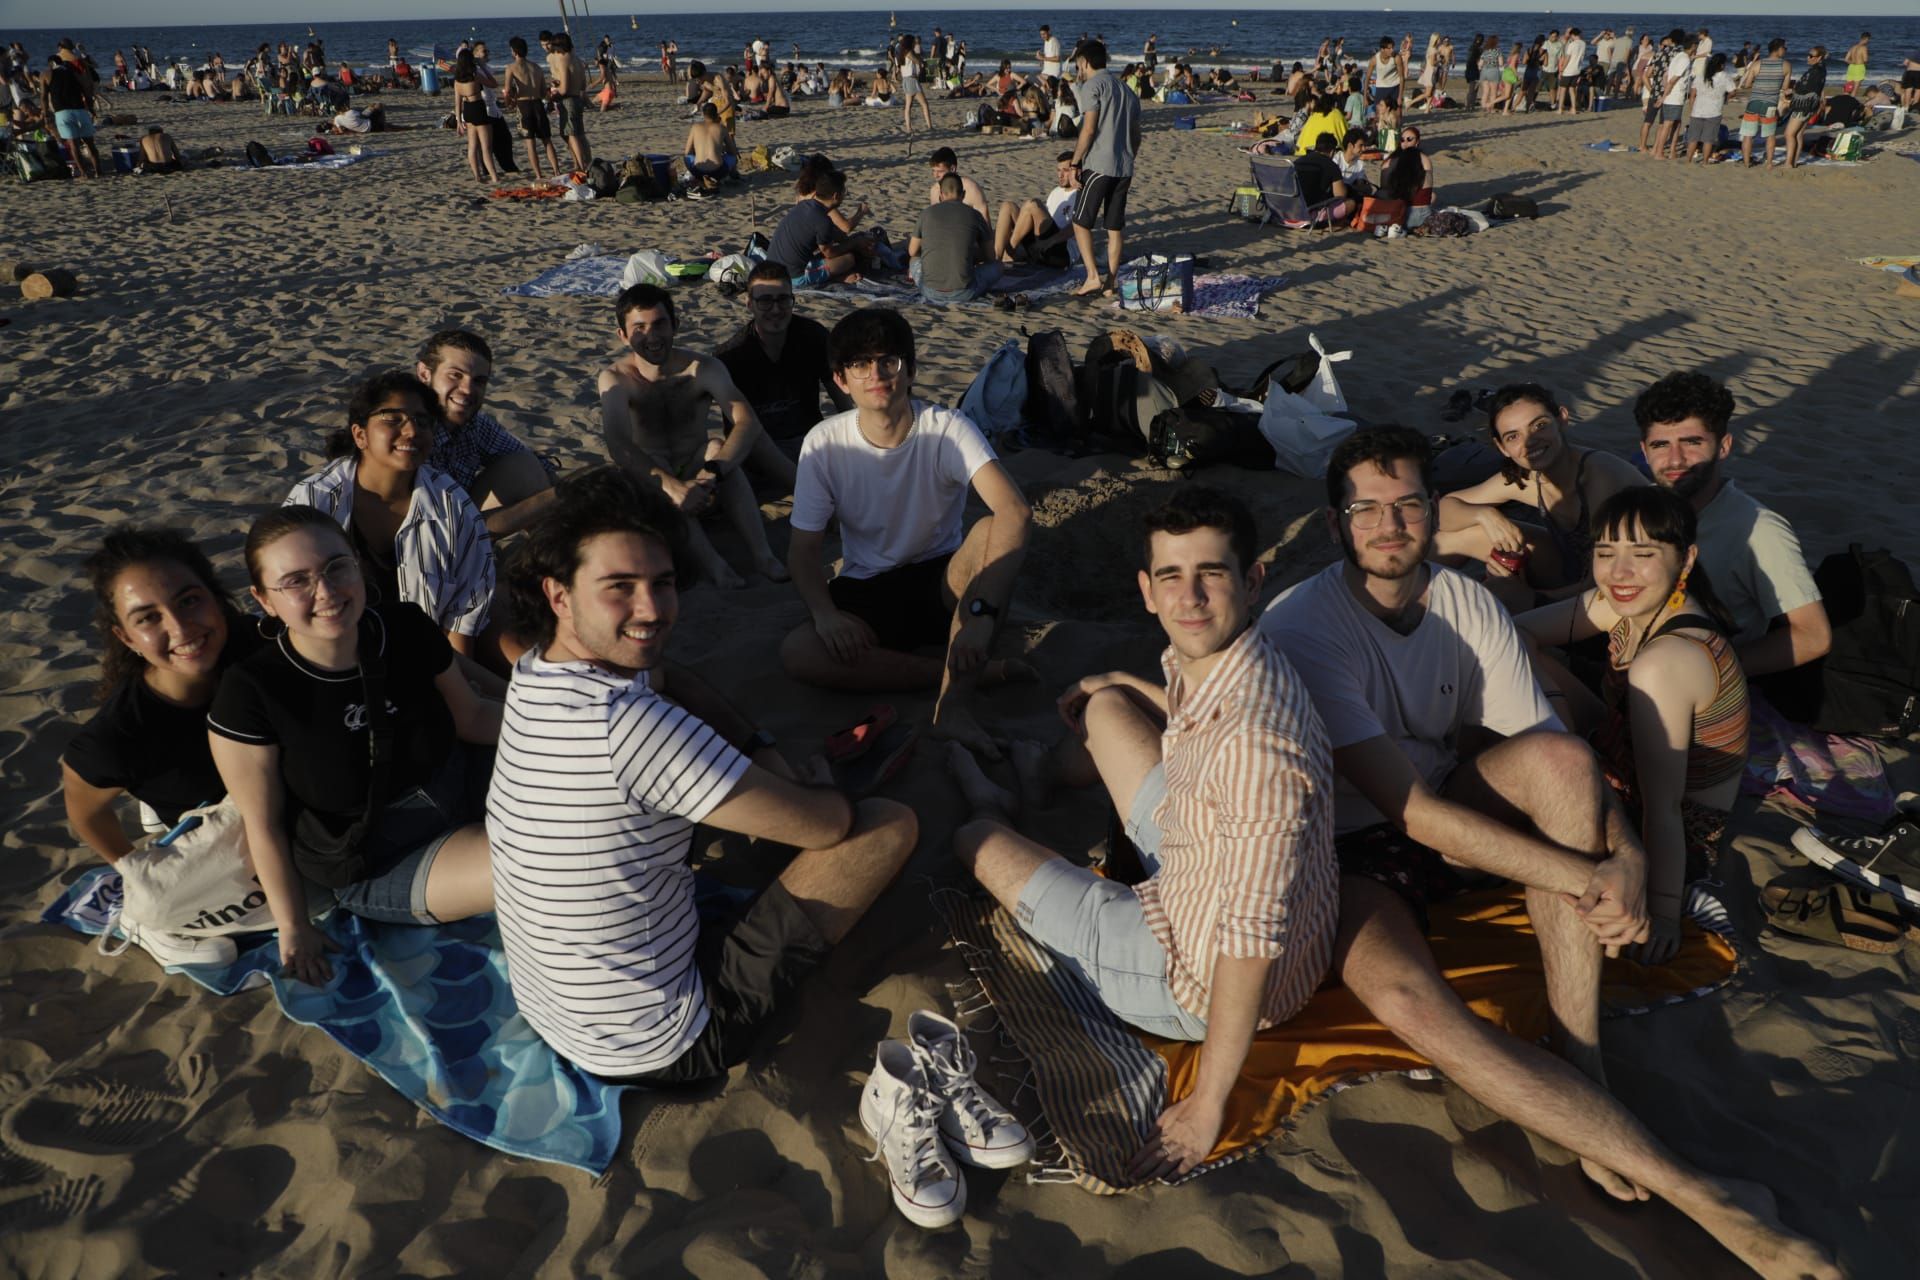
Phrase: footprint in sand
(50, 1206)
(92, 1117)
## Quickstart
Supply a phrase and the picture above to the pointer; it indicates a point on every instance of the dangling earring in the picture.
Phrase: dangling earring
(1679, 596)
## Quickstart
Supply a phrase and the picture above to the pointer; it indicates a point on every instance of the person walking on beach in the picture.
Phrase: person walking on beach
(569, 89)
(607, 759)
(1408, 663)
(912, 68)
(1104, 153)
(1221, 773)
(1857, 64)
(63, 103)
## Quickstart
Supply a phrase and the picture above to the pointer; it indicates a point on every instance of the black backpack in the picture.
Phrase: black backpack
(258, 157)
(1125, 403)
(603, 178)
(1869, 682)
(1053, 402)
(1507, 205)
(39, 161)
(1197, 435)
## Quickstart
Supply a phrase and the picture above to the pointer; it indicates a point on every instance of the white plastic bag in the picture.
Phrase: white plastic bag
(649, 266)
(730, 270)
(1304, 429)
(1325, 393)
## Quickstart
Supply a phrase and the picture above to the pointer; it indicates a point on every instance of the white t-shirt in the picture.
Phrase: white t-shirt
(1710, 97)
(596, 789)
(1463, 665)
(1679, 77)
(1753, 561)
(1050, 56)
(896, 506)
(1576, 57)
(1060, 209)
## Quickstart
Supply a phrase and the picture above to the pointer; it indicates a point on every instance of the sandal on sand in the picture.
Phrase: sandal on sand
(1832, 915)
(861, 778)
(856, 740)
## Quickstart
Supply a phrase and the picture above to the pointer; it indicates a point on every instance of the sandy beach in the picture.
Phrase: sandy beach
(150, 1128)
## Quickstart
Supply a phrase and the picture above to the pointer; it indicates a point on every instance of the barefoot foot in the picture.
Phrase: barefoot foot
(957, 725)
(1746, 1219)
(1620, 1188)
(985, 798)
(721, 575)
(772, 570)
(1009, 671)
(1030, 773)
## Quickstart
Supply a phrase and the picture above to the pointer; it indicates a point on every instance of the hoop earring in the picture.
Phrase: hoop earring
(262, 624)
(1679, 596)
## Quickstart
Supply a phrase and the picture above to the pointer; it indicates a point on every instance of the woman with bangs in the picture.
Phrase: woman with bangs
(1671, 725)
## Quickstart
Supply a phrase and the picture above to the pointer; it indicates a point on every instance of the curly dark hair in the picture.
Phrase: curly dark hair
(1382, 446)
(1680, 396)
(1201, 506)
(122, 549)
(433, 350)
(584, 506)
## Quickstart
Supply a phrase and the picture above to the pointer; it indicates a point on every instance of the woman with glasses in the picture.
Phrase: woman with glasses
(1672, 729)
(168, 630)
(337, 742)
(1804, 106)
(417, 535)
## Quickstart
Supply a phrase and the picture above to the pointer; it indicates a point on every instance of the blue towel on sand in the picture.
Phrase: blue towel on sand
(592, 277)
(430, 1011)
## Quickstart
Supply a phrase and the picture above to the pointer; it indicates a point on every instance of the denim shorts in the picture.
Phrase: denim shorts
(73, 125)
(1097, 929)
(401, 849)
(985, 276)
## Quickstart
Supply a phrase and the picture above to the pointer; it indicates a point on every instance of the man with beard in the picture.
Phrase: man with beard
(507, 481)
(1750, 554)
(1450, 767)
(607, 761)
(654, 404)
(779, 359)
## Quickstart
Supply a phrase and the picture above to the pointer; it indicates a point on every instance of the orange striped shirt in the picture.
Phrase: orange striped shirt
(1246, 859)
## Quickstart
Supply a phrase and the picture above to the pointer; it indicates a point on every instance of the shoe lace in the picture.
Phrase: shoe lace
(912, 1137)
(950, 1065)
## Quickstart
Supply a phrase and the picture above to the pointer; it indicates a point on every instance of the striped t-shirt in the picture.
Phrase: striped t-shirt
(596, 788)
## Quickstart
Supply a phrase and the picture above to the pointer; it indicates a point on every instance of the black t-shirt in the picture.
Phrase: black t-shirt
(802, 230)
(1317, 174)
(152, 749)
(64, 89)
(784, 393)
(318, 718)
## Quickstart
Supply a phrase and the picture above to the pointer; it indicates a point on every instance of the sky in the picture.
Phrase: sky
(77, 14)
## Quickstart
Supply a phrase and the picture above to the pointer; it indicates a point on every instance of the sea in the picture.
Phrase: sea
(1240, 39)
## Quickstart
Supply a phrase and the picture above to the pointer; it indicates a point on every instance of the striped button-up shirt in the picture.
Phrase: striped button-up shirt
(1246, 859)
(443, 555)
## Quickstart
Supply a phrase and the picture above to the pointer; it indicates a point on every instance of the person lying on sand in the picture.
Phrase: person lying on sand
(895, 472)
(607, 760)
(1451, 768)
(506, 480)
(654, 402)
(1224, 779)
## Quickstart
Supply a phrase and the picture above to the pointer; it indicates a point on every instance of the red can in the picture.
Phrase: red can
(1511, 561)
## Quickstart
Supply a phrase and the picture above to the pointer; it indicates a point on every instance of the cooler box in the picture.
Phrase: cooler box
(662, 171)
(430, 79)
(1602, 103)
(126, 159)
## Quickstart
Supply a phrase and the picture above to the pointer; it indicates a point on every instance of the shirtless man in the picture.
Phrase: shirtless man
(945, 162)
(157, 152)
(569, 90)
(527, 90)
(710, 152)
(653, 412)
(721, 97)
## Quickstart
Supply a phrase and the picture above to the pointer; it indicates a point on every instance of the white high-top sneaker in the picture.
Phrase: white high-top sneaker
(902, 1114)
(977, 1128)
(167, 948)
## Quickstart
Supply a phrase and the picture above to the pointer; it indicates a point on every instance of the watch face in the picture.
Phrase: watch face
(976, 607)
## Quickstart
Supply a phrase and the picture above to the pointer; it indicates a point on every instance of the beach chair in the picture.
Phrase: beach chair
(1280, 189)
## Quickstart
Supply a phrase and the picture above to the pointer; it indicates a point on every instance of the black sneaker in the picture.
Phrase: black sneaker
(1889, 861)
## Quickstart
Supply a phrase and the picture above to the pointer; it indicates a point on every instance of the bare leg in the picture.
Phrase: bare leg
(952, 715)
(1383, 960)
(836, 885)
(743, 513)
(1000, 858)
(877, 670)
(1113, 260)
(713, 566)
(768, 460)
(460, 881)
(1083, 237)
(1003, 220)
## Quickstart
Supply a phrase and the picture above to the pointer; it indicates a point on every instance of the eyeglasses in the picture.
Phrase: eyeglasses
(870, 366)
(394, 419)
(338, 573)
(770, 299)
(1367, 515)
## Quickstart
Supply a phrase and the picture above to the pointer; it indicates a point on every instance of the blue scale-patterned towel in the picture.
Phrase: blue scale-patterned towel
(429, 1009)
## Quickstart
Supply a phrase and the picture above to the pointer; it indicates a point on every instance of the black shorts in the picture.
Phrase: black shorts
(1389, 855)
(1049, 250)
(473, 111)
(1910, 80)
(906, 606)
(1099, 193)
(534, 122)
(750, 969)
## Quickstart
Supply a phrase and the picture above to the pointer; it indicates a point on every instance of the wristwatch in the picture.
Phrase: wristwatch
(979, 608)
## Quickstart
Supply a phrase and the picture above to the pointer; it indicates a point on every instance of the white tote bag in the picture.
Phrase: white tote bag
(1304, 429)
(179, 895)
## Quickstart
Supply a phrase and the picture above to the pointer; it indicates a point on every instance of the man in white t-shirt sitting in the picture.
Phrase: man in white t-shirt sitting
(1749, 553)
(895, 473)
(1448, 765)
(606, 761)
(1041, 233)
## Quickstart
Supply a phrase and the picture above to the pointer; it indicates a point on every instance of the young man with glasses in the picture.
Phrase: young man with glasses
(895, 473)
(1451, 769)
(778, 359)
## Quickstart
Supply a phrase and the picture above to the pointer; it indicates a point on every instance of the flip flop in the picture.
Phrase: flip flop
(856, 740)
(861, 778)
(1824, 914)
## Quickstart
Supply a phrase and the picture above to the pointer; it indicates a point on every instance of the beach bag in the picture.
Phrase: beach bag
(996, 400)
(1157, 282)
(333, 858)
(1178, 98)
(730, 272)
(196, 881)
(1849, 143)
(33, 163)
(788, 158)
(1869, 681)
(1053, 401)
(603, 179)
(258, 157)
(1127, 401)
(1198, 435)
(1507, 205)
(1302, 417)
(649, 266)
(1247, 202)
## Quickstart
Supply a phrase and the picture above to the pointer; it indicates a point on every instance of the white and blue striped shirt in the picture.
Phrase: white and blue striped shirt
(443, 554)
(596, 789)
